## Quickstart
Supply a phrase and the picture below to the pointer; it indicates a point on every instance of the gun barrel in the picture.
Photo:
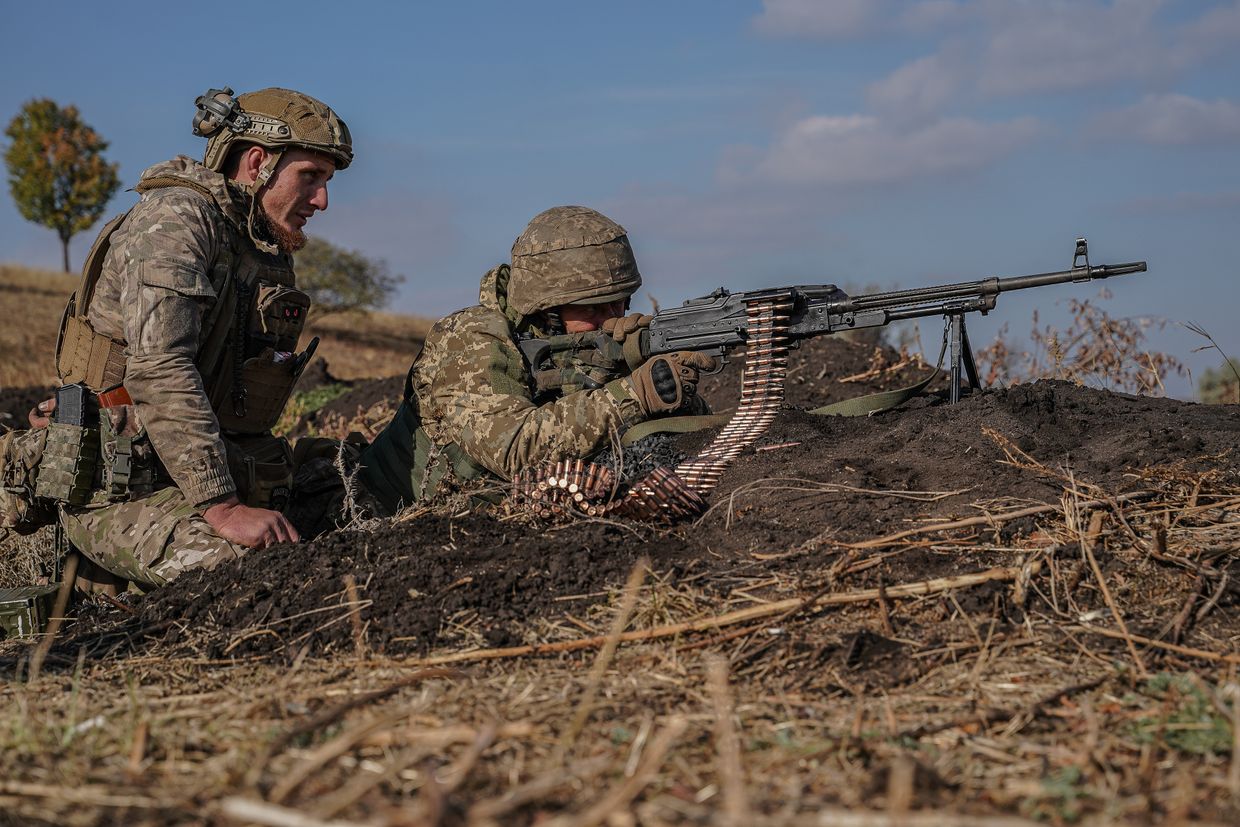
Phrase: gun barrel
(1101, 271)
(983, 287)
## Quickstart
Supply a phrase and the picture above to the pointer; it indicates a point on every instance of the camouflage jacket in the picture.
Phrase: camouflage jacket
(470, 404)
(474, 390)
(168, 266)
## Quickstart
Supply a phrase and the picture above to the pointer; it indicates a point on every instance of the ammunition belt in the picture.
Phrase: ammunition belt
(589, 488)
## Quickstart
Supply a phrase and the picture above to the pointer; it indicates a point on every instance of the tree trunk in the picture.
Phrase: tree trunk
(64, 246)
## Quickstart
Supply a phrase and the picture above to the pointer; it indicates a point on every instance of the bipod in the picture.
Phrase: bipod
(963, 366)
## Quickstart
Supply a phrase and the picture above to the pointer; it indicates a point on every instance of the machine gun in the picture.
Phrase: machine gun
(766, 323)
(719, 322)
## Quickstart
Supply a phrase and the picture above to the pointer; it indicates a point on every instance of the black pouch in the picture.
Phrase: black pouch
(262, 467)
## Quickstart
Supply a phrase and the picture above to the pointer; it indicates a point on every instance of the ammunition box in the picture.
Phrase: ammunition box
(24, 610)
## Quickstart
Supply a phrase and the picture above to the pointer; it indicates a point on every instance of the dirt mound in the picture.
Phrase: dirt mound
(364, 395)
(821, 371)
(810, 482)
(413, 578)
(316, 375)
(366, 400)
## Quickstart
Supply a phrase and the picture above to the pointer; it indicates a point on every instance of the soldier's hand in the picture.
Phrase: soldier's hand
(666, 383)
(249, 527)
(40, 416)
(621, 327)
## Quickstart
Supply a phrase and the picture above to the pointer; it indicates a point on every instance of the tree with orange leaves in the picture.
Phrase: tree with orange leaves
(57, 173)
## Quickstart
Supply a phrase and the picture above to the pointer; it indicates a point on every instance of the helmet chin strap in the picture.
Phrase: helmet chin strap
(254, 188)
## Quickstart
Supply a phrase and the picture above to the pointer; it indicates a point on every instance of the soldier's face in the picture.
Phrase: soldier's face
(582, 318)
(296, 191)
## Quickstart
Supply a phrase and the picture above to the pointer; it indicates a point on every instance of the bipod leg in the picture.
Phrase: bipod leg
(963, 365)
(966, 350)
(956, 334)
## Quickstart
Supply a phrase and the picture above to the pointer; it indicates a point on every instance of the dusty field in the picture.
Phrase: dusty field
(1019, 609)
(31, 302)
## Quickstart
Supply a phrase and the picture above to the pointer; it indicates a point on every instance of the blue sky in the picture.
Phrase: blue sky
(863, 142)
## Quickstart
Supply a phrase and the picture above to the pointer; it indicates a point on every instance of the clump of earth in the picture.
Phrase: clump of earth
(808, 483)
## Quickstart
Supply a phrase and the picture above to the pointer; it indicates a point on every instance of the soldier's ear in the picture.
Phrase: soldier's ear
(250, 162)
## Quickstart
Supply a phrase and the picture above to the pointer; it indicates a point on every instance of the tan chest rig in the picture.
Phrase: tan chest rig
(247, 359)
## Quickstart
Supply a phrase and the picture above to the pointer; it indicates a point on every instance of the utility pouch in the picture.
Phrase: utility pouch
(262, 467)
(267, 385)
(71, 455)
(280, 316)
(128, 462)
(21, 510)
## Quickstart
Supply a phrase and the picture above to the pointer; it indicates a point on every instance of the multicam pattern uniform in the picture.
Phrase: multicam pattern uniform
(161, 284)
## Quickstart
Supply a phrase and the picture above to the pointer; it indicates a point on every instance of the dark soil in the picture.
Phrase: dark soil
(316, 375)
(365, 394)
(774, 500)
(821, 371)
(355, 402)
(808, 484)
(15, 403)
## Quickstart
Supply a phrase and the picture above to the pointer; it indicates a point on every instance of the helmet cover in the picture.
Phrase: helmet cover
(571, 255)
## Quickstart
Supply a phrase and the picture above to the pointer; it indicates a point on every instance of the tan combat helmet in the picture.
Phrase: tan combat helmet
(571, 255)
(273, 118)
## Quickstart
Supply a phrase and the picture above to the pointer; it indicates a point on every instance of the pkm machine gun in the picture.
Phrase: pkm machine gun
(716, 323)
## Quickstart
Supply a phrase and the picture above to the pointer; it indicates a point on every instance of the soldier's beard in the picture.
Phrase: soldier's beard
(287, 240)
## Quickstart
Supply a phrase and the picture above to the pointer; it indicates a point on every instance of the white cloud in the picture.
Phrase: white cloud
(1216, 30)
(858, 150)
(934, 14)
(1171, 119)
(1054, 46)
(922, 88)
(849, 19)
(996, 49)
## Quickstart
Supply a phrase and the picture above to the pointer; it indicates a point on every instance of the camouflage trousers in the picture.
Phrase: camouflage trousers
(155, 539)
(149, 541)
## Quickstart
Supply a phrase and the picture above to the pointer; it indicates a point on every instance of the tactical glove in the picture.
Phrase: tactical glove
(626, 331)
(621, 327)
(667, 383)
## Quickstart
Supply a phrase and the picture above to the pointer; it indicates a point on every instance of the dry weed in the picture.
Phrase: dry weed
(1094, 349)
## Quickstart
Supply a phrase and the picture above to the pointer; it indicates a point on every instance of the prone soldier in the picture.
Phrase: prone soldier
(475, 407)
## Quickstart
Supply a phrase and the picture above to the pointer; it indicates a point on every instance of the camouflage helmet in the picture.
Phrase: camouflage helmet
(273, 118)
(571, 255)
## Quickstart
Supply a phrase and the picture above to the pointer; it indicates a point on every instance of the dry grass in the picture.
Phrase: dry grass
(31, 302)
(1017, 701)
(369, 345)
(1095, 348)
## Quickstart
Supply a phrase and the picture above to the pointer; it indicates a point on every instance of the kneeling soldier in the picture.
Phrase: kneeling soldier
(179, 350)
